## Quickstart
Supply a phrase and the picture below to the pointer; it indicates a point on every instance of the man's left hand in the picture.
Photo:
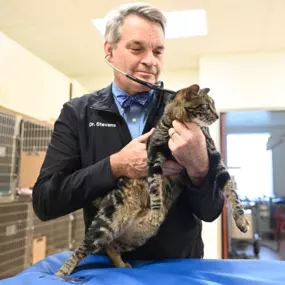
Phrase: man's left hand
(188, 145)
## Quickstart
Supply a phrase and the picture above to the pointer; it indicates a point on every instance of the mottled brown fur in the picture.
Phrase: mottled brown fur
(131, 214)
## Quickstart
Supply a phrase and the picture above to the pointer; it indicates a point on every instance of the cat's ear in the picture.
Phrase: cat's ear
(205, 90)
(192, 91)
(194, 88)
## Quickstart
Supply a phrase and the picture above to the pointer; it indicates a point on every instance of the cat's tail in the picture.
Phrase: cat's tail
(228, 186)
(67, 268)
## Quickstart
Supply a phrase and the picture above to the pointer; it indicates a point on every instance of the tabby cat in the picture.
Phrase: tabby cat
(131, 214)
(189, 105)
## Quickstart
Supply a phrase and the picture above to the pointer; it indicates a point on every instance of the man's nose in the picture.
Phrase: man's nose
(149, 59)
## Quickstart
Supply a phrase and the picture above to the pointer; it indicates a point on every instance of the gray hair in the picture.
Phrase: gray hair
(115, 19)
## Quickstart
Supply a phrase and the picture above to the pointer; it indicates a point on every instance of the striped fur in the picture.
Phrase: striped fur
(123, 223)
(131, 214)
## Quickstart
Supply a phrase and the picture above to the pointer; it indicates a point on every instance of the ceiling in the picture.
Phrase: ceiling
(61, 33)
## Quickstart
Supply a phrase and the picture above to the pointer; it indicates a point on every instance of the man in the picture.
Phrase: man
(100, 137)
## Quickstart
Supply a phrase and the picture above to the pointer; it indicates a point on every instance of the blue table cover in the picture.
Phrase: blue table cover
(97, 270)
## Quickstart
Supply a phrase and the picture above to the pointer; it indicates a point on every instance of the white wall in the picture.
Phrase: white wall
(28, 84)
(95, 81)
(245, 81)
(176, 80)
(77, 89)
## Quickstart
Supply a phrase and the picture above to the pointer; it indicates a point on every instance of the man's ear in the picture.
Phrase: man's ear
(108, 48)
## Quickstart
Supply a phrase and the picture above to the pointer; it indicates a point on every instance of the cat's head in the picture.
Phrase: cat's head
(195, 104)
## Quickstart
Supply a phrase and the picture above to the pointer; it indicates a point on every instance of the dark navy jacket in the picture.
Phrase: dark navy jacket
(76, 170)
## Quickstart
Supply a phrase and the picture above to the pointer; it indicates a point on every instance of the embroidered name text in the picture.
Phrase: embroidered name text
(100, 124)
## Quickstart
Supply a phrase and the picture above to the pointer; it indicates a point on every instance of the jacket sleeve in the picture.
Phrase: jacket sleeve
(206, 200)
(63, 186)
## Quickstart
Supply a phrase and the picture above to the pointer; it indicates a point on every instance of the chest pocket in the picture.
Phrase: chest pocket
(108, 134)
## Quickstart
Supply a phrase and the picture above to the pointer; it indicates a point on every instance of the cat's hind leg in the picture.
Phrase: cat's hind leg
(237, 209)
(115, 257)
(114, 216)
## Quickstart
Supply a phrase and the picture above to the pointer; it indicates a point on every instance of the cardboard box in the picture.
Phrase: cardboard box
(39, 249)
(30, 165)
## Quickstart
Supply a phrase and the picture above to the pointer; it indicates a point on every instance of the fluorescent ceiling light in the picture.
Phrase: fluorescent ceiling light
(180, 24)
(100, 25)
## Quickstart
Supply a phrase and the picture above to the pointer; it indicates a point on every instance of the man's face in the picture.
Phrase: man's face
(139, 53)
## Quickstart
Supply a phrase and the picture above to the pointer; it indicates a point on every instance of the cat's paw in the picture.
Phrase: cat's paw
(156, 220)
(242, 224)
(122, 264)
(127, 265)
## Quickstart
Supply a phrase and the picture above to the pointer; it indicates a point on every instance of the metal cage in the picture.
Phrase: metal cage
(9, 152)
(14, 238)
(78, 228)
(20, 228)
(35, 138)
(23, 145)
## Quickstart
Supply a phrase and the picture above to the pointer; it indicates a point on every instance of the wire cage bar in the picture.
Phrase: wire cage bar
(36, 136)
(9, 152)
(13, 238)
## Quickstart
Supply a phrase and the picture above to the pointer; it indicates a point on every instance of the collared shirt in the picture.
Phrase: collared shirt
(136, 115)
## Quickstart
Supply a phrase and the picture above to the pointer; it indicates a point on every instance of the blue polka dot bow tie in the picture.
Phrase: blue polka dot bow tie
(127, 100)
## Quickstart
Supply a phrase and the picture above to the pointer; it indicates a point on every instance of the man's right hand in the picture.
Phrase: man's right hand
(131, 161)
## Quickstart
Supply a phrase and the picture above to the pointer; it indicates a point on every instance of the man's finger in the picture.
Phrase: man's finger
(170, 164)
(143, 138)
(171, 168)
(176, 137)
(169, 172)
(179, 127)
(185, 131)
(171, 145)
(171, 132)
(142, 146)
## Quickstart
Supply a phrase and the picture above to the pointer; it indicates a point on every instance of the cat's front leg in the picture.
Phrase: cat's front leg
(155, 183)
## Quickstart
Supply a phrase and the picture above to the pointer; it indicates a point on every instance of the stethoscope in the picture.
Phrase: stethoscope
(156, 87)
